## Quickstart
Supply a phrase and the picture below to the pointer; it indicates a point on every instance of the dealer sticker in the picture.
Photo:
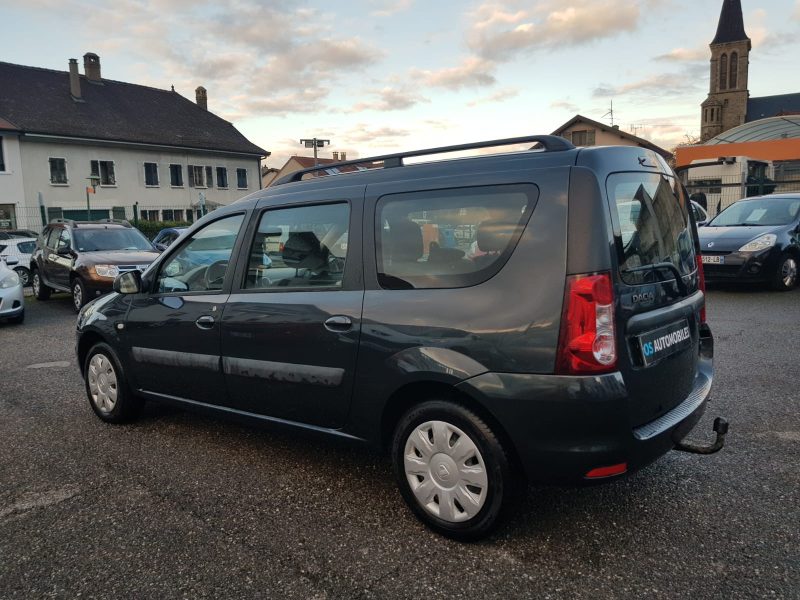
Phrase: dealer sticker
(665, 341)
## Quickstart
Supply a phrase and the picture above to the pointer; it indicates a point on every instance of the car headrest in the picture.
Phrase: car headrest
(303, 250)
(404, 242)
(494, 236)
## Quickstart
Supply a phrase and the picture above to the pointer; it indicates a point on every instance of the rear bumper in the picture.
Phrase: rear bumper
(563, 427)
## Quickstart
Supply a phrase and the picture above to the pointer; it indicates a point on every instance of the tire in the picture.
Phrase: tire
(78, 294)
(24, 275)
(463, 508)
(785, 277)
(40, 290)
(106, 387)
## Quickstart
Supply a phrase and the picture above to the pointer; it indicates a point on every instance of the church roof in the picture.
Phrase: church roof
(731, 23)
(773, 106)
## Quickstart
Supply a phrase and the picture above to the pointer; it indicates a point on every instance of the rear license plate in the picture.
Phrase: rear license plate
(713, 260)
(664, 341)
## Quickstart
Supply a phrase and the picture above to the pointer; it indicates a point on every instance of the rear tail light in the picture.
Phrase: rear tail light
(701, 281)
(587, 342)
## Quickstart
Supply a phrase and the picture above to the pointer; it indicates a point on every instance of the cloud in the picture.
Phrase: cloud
(686, 55)
(497, 34)
(472, 72)
(565, 105)
(389, 98)
(661, 85)
(498, 96)
(381, 136)
(388, 8)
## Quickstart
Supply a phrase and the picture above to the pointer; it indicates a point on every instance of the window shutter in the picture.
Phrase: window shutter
(209, 177)
(94, 168)
(190, 170)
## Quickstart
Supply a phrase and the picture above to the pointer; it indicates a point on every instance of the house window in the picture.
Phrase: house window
(2, 156)
(176, 175)
(222, 178)
(210, 176)
(241, 179)
(196, 176)
(151, 174)
(58, 171)
(167, 215)
(584, 137)
(104, 169)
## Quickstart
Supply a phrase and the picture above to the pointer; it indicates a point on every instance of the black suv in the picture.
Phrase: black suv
(84, 258)
(490, 320)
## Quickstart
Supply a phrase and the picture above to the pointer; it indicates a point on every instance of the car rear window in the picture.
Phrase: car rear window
(653, 225)
(449, 238)
(26, 247)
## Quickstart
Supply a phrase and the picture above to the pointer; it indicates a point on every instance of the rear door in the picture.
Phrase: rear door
(658, 287)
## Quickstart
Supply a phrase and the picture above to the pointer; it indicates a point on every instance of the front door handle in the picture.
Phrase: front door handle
(338, 324)
(205, 322)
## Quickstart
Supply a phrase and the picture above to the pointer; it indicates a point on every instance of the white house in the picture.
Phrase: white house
(143, 147)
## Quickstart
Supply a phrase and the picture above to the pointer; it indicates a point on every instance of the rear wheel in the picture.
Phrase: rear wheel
(785, 277)
(106, 387)
(451, 469)
(24, 276)
(40, 290)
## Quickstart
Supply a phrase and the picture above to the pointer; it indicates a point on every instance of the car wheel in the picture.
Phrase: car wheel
(40, 290)
(786, 274)
(451, 469)
(106, 387)
(78, 295)
(24, 276)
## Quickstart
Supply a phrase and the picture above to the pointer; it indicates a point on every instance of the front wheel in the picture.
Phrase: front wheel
(78, 295)
(786, 274)
(24, 276)
(451, 468)
(40, 290)
(108, 392)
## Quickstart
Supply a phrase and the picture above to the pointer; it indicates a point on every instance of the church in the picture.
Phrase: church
(729, 103)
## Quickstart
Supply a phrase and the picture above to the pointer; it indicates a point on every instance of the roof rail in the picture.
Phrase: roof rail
(124, 222)
(551, 143)
(75, 223)
(67, 221)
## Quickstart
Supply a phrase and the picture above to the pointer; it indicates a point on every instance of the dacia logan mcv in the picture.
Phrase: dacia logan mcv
(489, 320)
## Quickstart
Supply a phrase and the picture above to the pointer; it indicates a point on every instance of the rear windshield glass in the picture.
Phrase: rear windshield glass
(26, 247)
(759, 212)
(653, 225)
(92, 240)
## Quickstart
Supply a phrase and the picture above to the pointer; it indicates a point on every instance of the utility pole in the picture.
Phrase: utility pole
(315, 143)
(93, 181)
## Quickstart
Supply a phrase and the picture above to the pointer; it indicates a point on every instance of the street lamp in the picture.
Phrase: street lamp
(315, 143)
(94, 181)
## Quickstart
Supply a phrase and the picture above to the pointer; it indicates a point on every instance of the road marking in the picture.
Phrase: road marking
(50, 365)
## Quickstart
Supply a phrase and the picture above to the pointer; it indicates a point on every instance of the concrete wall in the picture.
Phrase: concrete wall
(11, 181)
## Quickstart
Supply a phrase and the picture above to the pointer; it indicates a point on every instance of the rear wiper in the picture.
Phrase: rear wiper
(657, 267)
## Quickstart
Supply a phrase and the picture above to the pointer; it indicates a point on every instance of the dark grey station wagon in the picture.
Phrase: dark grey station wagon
(491, 320)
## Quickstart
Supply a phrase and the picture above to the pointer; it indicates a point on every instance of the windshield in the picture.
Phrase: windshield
(759, 212)
(93, 240)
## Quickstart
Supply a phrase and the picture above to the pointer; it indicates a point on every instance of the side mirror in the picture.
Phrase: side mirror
(64, 251)
(11, 260)
(128, 283)
(160, 247)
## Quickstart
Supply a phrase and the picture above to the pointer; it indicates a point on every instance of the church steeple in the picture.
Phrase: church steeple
(731, 23)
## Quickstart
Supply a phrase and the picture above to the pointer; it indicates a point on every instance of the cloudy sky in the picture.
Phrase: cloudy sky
(379, 76)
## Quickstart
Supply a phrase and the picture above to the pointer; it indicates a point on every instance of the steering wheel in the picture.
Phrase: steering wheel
(215, 274)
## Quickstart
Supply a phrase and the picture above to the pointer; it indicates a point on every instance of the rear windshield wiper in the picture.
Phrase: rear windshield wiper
(657, 267)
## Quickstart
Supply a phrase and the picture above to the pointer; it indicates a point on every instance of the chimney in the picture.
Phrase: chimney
(343, 156)
(91, 66)
(74, 79)
(336, 156)
(201, 97)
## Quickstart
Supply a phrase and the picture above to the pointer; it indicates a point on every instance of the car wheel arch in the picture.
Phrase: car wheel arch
(89, 339)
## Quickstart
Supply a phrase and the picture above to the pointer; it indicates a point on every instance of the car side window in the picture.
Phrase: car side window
(64, 240)
(300, 247)
(52, 238)
(202, 261)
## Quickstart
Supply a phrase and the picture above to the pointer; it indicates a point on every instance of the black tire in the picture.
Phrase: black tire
(496, 465)
(78, 294)
(24, 275)
(127, 406)
(785, 277)
(40, 290)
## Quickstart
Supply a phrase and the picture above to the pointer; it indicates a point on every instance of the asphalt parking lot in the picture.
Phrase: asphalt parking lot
(184, 506)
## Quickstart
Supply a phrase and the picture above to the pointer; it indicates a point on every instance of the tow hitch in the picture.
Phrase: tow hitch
(721, 429)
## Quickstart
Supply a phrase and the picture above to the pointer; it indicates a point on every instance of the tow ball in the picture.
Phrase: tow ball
(721, 429)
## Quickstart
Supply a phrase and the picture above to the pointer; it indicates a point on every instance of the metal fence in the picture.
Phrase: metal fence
(719, 193)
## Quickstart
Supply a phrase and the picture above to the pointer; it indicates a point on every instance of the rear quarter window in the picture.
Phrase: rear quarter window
(449, 238)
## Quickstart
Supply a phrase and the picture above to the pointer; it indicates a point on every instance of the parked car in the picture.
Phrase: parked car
(83, 258)
(12, 300)
(166, 236)
(555, 351)
(754, 240)
(8, 234)
(22, 249)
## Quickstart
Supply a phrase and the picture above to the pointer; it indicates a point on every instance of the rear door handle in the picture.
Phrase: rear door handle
(338, 324)
(205, 322)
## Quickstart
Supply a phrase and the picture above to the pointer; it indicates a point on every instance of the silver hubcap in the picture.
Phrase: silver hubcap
(77, 296)
(102, 383)
(446, 471)
(24, 276)
(789, 272)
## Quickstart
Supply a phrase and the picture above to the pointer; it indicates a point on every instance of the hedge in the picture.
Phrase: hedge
(151, 228)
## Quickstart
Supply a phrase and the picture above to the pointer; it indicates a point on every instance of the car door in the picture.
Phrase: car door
(291, 328)
(173, 328)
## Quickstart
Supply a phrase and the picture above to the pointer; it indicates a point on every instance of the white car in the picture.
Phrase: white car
(21, 249)
(12, 301)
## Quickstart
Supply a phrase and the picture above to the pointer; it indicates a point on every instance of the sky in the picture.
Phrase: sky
(379, 76)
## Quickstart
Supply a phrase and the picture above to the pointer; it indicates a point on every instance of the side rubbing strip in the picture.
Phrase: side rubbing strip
(170, 358)
(285, 372)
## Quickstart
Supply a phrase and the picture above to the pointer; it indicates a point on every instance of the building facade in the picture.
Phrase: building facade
(134, 151)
